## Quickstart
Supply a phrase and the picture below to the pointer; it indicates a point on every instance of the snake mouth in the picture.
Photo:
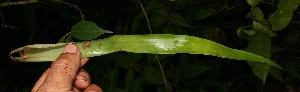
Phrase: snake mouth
(18, 54)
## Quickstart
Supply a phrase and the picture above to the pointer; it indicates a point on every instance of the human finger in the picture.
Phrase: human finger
(62, 71)
(83, 61)
(93, 88)
(82, 79)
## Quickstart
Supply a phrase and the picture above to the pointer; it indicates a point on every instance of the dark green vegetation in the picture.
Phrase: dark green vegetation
(265, 27)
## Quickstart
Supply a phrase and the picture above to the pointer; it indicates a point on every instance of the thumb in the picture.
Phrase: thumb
(62, 71)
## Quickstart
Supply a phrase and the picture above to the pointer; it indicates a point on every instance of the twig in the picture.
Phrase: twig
(147, 19)
(162, 72)
(7, 3)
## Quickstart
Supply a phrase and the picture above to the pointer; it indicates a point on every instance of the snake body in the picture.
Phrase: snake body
(151, 43)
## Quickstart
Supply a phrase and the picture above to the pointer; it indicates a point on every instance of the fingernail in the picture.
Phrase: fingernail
(70, 48)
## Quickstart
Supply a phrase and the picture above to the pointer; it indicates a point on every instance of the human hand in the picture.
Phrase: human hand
(64, 74)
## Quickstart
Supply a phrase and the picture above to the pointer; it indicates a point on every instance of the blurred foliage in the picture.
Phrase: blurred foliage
(269, 28)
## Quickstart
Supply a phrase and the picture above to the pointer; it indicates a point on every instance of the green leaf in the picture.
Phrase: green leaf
(177, 20)
(253, 2)
(260, 70)
(224, 88)
(257, 13)
(163, 89)
(151, 43)
(152, 75)
(137, 85)
(127, 60)
(62, 39)
(192, 70)
(135, 24)
(260, 44)
(277, 74)
(158, 20)
(288, 5)
(153, 6)
(243, 34)
(66, 38)
(137, 21)
(129, 78)
(263, 27)
(113, 76)
(200, 13)
(169, 29)
(86, 30)
(280, 19)
(284, 13)
(250, 32)
(293, 68)
(202, 90)
(69, 39)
